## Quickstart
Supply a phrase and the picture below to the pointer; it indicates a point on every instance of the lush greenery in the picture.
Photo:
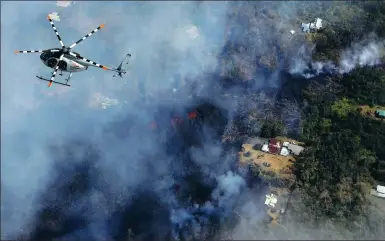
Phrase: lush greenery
(345, 152)
(272, 128)
(345, 146)
(348, 23)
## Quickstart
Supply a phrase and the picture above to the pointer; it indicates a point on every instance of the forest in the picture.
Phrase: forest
(345, 154)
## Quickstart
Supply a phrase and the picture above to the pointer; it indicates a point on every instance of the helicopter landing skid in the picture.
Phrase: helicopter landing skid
(54, 81)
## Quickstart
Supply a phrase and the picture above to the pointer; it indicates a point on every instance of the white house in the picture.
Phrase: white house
(308, 27)
(265, 148)
(284, 151)
(271, 200)
(379, 192)
(381, 189)
(305, 27)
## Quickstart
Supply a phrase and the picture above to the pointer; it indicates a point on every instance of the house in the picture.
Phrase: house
(309, 27)
(271, 200)
(295, 149)
(275, 147)
(379, 192)
(380, 113)
(305, 27)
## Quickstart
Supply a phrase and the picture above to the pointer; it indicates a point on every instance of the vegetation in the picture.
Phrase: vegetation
(345, 151)
(348, 23)
(272, 128)
(345, 148)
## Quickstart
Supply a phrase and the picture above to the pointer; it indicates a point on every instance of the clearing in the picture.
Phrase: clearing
(266, 161)
(368, 111)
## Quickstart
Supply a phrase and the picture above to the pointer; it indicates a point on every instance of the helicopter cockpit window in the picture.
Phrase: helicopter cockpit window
(46, 55)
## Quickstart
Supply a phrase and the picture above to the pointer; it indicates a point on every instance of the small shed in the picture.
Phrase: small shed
(271, 200)
(379, 192)
(265, 148)
(284, 151)
(380, 113)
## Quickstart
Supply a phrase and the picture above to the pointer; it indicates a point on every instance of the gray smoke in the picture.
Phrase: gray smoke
(165, 39)
(362, 54)
(368, 52)
(173, 46)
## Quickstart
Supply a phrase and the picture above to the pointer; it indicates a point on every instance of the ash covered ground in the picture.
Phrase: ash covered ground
(72, 172)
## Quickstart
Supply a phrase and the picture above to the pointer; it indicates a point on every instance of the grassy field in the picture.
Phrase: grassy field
(366, 110)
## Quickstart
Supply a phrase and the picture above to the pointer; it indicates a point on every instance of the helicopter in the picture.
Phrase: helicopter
(63, 60)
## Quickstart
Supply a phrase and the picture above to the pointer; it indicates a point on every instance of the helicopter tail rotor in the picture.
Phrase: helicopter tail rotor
(120, 71)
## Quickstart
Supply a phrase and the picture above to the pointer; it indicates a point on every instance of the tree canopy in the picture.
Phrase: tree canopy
(346, 150)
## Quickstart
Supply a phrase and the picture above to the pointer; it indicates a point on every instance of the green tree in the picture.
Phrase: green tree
(272, 128)
(333, 172)
(342, 108)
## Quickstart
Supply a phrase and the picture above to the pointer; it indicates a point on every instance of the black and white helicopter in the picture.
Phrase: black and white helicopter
(66, 61)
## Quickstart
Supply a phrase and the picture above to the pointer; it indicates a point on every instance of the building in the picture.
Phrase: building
(380, 113)
(379, 192)
(310, 27)
(271, 200)
(295, 149)
(275, 147)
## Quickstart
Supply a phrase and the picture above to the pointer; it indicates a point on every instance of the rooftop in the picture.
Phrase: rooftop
(380, 112)
(380, 189)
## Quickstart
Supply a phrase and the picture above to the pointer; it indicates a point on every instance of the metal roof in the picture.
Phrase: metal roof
(381, 189)
(380, 112)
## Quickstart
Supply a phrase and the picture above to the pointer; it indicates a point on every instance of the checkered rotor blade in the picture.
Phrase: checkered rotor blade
(91, 62)
(35, 51)
(29, 51)
(55, 71)
(88, 35)
(54, 29)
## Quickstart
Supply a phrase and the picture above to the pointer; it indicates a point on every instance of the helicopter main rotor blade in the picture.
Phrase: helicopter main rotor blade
(35, 51)
(55, 71)
(54, 29)
(91, 62)
(88, 35)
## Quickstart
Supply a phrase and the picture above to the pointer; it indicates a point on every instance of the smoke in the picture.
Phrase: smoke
(362, 54)
(169, 42)
(368, 52)
(74, 172)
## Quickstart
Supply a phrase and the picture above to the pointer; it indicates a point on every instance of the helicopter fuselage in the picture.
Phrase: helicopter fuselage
(68, 63)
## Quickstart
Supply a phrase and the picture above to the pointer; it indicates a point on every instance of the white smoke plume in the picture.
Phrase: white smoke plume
(368, 52)
(362, 55)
